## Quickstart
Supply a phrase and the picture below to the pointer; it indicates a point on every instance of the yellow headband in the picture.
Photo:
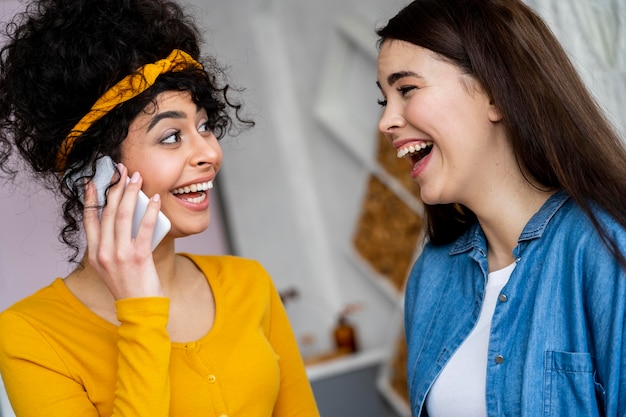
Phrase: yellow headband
(129, 87)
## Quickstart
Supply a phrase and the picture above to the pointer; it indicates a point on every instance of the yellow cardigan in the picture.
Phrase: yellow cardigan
(59, 359)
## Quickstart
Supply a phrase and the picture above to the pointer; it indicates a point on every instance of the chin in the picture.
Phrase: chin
(427, 198)
(179, 232)
(432, 200)
(188, 225)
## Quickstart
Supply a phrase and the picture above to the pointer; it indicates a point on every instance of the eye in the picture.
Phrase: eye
(204, 127)
(382, 103)
(173, 138)
(405, 89)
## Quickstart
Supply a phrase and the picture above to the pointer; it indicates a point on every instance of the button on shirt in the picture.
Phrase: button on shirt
(459, 390)
(556, 343)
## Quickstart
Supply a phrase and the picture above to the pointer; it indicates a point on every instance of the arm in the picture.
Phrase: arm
(35, 377)
(143, 383)
(606, 312)
(295, 398)
(69, 377)
(604, 294)
(127, 268)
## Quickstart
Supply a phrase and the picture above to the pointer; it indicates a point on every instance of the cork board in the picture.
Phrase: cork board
(388, 230)
(387, 233)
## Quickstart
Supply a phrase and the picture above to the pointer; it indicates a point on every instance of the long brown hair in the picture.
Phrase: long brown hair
(560, 136)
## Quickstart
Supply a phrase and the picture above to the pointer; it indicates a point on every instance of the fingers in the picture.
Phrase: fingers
(90, 216)
(140, 211)
(148, 221)
(107, 235)
(119, 215)
(124, 263)
(114, 229)
(125, 201)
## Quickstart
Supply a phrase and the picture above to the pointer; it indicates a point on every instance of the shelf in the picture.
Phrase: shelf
(345, 364)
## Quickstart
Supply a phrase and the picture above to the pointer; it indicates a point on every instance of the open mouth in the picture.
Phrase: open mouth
(194, 193)
(415, 152)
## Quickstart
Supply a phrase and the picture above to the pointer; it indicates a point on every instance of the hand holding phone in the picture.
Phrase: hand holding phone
(105, 169)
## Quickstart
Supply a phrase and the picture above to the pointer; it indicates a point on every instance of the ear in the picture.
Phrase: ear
(494, 112)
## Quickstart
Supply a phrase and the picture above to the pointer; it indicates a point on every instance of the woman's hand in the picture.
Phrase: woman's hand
(125, 264)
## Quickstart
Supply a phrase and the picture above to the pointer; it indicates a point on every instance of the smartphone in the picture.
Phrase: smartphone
(105, 169)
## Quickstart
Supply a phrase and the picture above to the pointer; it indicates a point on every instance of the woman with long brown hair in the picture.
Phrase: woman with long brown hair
(517, 304)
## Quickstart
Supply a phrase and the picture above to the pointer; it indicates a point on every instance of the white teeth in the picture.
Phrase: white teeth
(196, 200)
(411, 149)
(194, 188)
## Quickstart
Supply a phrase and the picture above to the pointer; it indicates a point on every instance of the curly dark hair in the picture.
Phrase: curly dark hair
(60, 56)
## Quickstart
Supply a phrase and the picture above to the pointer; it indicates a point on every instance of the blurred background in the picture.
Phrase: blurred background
(312, 191)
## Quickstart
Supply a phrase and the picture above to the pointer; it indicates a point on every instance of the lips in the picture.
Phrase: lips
(193, 193)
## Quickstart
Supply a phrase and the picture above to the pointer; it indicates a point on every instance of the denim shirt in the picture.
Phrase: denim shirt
(556, 346)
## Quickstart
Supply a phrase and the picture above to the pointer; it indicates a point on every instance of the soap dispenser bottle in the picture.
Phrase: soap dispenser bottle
(345, 333)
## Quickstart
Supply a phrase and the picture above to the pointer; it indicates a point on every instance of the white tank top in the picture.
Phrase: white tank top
(459, 390)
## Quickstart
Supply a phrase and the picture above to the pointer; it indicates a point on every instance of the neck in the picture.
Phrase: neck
(503, 219)
(164, 257)
(165, 261)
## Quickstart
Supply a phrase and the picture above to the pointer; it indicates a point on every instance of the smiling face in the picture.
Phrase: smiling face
(171, 145)
(442, 121)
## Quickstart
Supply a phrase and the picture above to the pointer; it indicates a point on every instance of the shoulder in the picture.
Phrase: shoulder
(40, 303)
(572, 221)
(32, 318)
(228, 263)
(580, 252)
(231, 268)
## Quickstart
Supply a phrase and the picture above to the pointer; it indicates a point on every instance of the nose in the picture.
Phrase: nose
(390, 120)
(206, 150)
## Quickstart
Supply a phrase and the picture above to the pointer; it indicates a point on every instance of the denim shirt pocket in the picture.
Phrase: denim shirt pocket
(570, 386)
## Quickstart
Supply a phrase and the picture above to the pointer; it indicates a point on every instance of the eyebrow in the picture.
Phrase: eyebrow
(172, 114)
(392, 78)
(165, 115)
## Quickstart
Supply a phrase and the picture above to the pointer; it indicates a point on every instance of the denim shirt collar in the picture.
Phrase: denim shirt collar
(475, 238)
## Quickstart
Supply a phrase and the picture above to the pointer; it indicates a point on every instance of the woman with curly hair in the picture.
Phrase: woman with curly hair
(517, 304)
(134, 330)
